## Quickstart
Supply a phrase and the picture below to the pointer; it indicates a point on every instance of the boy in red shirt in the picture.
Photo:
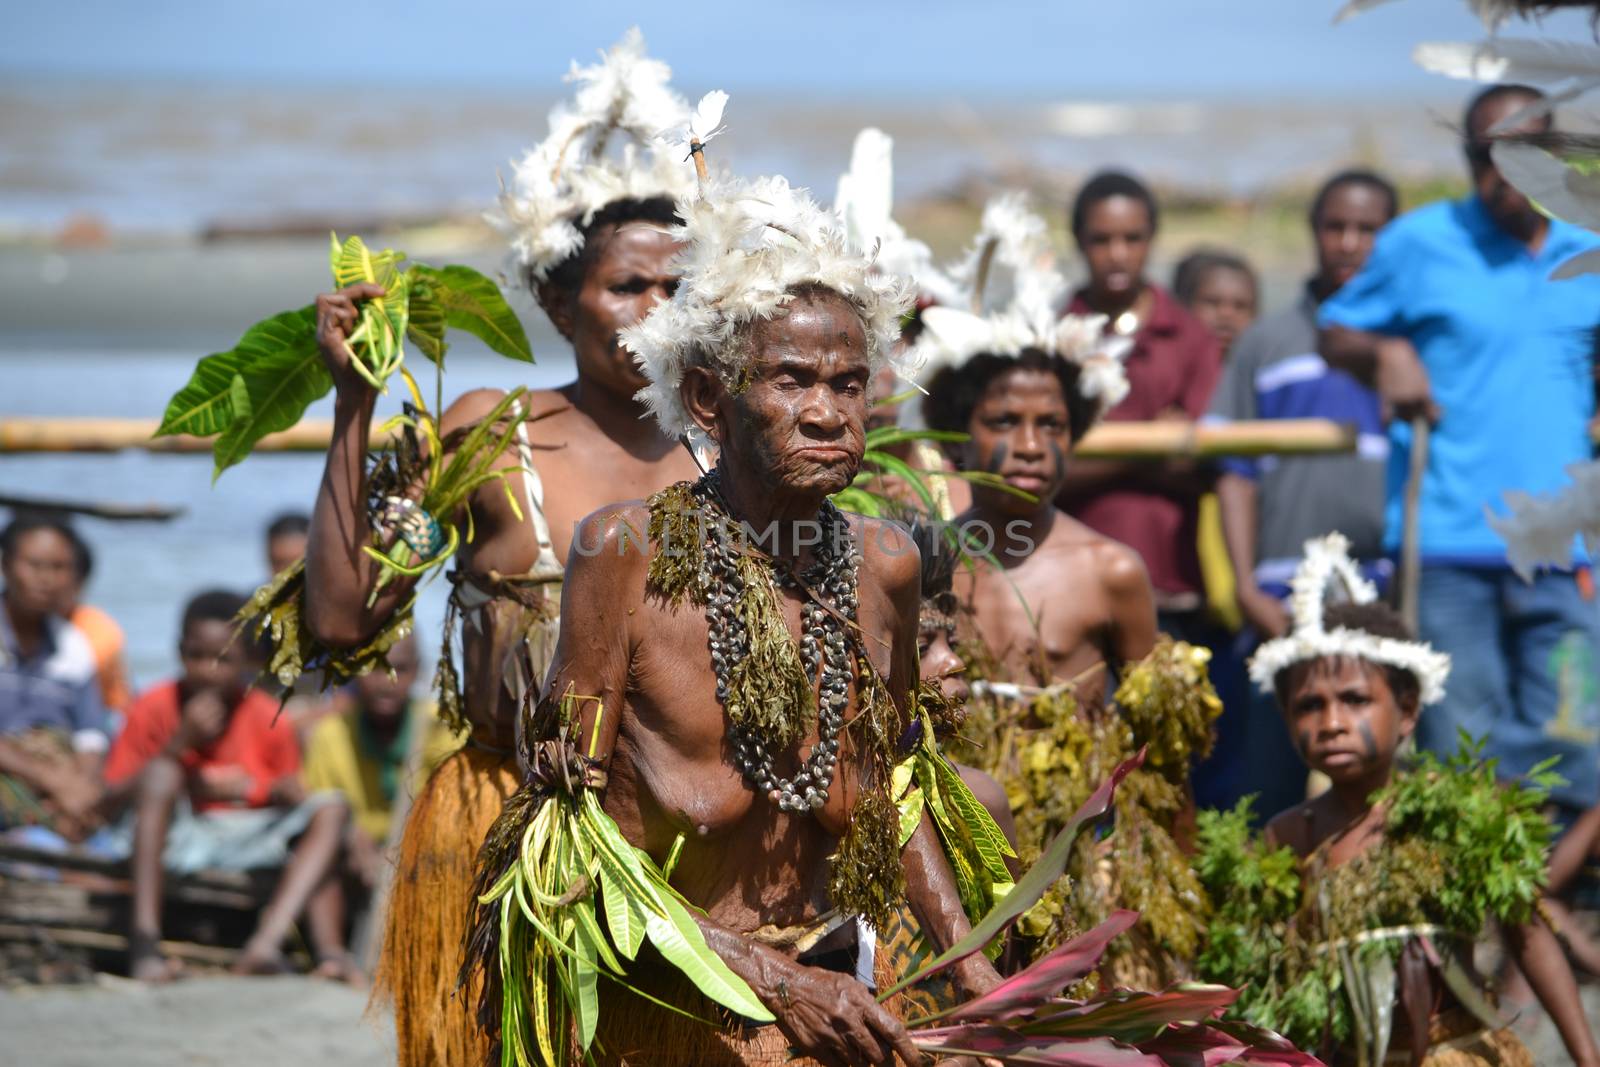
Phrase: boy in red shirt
(214, 777)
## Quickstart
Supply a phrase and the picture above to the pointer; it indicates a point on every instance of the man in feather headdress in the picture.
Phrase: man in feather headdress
(589, 239)
(757, 773)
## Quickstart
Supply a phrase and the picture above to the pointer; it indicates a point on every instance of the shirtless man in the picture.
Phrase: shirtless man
(786, 404)
(594, 424)
(1063, 600)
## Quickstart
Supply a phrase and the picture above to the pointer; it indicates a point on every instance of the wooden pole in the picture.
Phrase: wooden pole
(1112, 440)
(1411, 524)
(113, 512)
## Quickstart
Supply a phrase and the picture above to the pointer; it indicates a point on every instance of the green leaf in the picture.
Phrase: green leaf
(624, 916)
(667, 922)
(281, 374)
(585, 978)
(987, 837)
(474, 303)
(426, 325)
(677, 937)
(204, 407)
(1030, 887)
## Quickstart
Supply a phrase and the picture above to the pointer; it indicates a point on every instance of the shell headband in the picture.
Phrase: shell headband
(1010, 282)
(559, 185)
(1328, 559)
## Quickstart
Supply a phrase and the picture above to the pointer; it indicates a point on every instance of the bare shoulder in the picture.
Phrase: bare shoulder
(476, 404)
(1120, 568)
(888, 552)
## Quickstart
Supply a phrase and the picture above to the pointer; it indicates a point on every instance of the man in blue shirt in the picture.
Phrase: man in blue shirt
(1455, 318)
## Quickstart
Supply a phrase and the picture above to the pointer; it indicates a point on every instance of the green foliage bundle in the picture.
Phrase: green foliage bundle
(1458, 848)
(555, 867)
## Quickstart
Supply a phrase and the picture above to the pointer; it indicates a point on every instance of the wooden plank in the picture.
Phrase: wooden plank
(95, 939)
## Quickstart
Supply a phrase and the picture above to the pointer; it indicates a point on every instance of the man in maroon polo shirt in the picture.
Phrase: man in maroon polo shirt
(1152, 507)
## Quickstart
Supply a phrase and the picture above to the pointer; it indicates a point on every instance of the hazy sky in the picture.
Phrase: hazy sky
(1038, 47)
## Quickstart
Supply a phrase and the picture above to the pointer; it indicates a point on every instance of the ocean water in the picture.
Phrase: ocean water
(170, 160)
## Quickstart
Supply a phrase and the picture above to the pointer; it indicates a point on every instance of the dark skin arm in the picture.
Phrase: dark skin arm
(1545, 965)
(1237, 499)
(828, 1016)
(1389, 365)
(339, 576)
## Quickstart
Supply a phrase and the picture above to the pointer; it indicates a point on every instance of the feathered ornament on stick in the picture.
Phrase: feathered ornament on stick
(703, 125)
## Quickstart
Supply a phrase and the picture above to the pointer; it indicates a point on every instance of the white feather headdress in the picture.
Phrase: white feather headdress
(864, 202)
(1327, 560)
(559, 185)
(1010, 281)
(747, 246)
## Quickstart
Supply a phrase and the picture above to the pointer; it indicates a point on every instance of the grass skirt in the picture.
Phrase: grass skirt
(428, 909)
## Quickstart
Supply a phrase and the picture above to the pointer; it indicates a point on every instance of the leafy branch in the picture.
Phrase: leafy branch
(265, 383)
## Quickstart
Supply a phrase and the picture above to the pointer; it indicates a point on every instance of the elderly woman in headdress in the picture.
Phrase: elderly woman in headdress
(746, 666)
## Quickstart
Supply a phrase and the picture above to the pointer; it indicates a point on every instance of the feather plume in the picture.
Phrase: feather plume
(1491, 12)
(1010, 281)
(1541, 530)
(561, 183)
(1559, 189)
(1510, 59)
(747, 246)
(702, 126)
(864, 202)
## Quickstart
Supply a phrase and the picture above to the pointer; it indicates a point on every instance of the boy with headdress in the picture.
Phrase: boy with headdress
(588, 237)
(1352, 923)
(1025, 385)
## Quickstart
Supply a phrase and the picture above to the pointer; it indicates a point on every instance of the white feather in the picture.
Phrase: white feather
(1509, 59)
(1327, 560)
(864, 202)
(578, 168)
(747, 245)
(1019, 309)
(1579, 265)
(1491, 12)
(1554, 186)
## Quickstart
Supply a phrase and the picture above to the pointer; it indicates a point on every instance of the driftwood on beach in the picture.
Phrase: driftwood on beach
(1114, 440)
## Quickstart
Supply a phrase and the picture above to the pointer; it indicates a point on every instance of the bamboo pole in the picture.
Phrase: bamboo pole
(1112, 440)
(91, 509)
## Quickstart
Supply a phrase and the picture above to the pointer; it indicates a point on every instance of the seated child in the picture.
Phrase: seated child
(361, 753)
(212, 774)
(1366, 953)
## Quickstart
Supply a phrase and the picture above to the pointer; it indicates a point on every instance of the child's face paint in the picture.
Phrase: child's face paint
(1019, 432)
(1345, 719)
